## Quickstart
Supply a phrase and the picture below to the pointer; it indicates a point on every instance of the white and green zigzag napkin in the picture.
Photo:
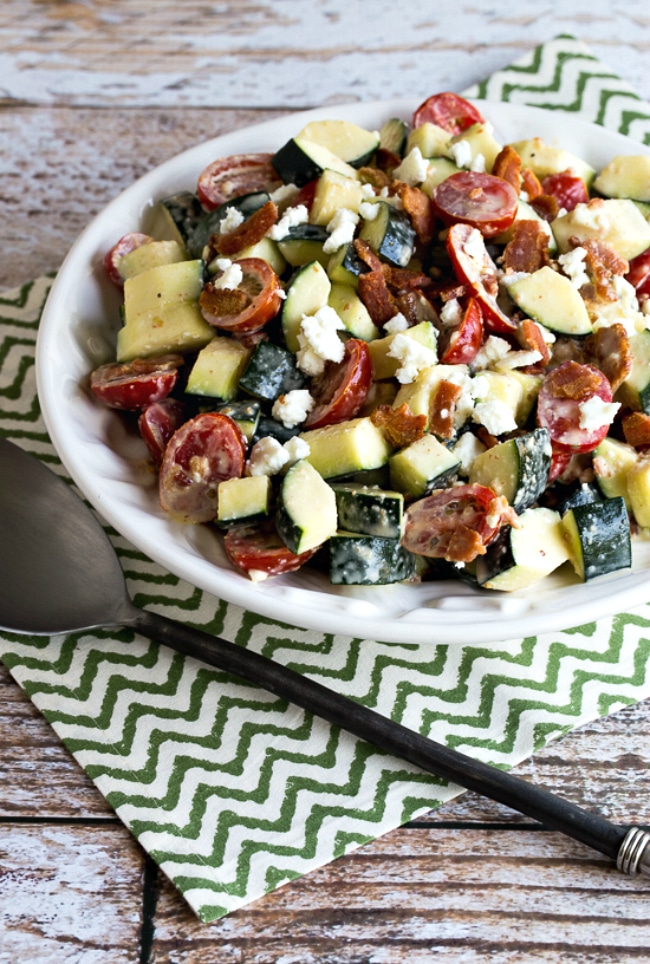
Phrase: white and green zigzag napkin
(230, 790)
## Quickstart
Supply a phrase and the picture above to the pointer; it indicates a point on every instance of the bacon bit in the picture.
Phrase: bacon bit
(546, 205)
(416, 307)
(530, 183)
(636, 429)
(488, 440)
(373, 292)
(507, 166)
(464, 545)
(419, 208)
(367, 255)
(252, 230)
(576, 381)
(443, 409)
(500, 508)
(387, 160)
(400, 425)
(405, 279)
(372, 175)
(609, 349)
(602, 262)
(222, 301)
(528, 249)
(530, 337)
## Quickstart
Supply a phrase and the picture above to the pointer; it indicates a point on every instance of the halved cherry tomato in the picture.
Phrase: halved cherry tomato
(230, 177)
(132, 386)
(474, 267)
(481, 200)
(261, 550)
(460, 344)
(126, 244)
(158, 422)
(203, 452)
(306, 194)
(559, 462)
(341, 390)
(248, 307)
(639, 274)
(567, 188)
(448, 110)
(563, 391)
(455, 523)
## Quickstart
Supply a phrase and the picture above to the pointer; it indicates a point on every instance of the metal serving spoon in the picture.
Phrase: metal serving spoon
(59, 573)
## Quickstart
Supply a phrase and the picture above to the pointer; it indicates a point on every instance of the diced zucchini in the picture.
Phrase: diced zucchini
(612, 461)
(419, 393)
(346, 447)
(245, 414)
(181, 213)
(304, 244)
(333, 192)
(481, 140)
(368, 510)
(383, 364)
(549, 298)
(390, 234)
(598, 536)
(616, 221)
(518, 558)
(517, 468)
(352, 312)
(351, 143)
(392, 135)
(626, 176)
(584, 494)
(423, 465)
(218, 368)
(430, 139)
(270, 426)
(266, 249)
(635, 390)
(306, 515)
(364, 560)
(638, 487)
(345, 266)
(271, 372)
(492, 386)
(440, 168)
(308, 290)
(302, 160)
(150, 255)
(209, 223)
(544, 159)
(530, 385)
(243, 501)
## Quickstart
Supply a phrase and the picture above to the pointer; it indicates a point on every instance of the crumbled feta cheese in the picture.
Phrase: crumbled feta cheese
(478, 164)
(318, 340)
(413, 169)
(232, 274)
(413, 357)
(367, 190)
(594, 413)
(293, 408)
(495, 415)
(397, 323)
(232, 220)
(466, 449)
(492, 350)
(296, 448)
(573, 266)
(510, 277)
(591, 216)
(461, 153)
(517, 359)
(291, 218)
(452, 313)
(267, 457)
(368, 210)
(341, 229)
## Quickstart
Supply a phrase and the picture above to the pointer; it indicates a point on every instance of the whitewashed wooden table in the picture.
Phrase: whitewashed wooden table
(93, 94)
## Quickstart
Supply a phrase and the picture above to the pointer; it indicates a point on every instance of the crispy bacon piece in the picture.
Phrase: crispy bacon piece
(577, 382)
(400, 425)
(530, 183)
(601, 263)
(373, 292)
(443, 408)
(636, 429)
(507, 165)
(488, 440)
(464, 545)
(528, 249)
(387, 160)
(249, 232)
(367, 255)
(373, 175)
(546, 206)
(609, 349)
(530, 337)
(419, 208)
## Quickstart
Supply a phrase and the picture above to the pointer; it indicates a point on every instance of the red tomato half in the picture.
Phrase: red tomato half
(639, 274)
(126, 244)
(233, 176)
(261, 550)
(249, 306)
(474, 267)
(567, 188)
(200, 454)
(341, 390)
(158, 422)
(564, 390)
(134, 385)
(448, 110)
(481, 200)
(461, 344)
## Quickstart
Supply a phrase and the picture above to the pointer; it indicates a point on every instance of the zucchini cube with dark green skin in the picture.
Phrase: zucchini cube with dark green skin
(518, 558)
(306, 515)
(517, 468)
(598, 536)
(244, 501)
(245, 414)
(422, 466)
(392, 135)
(390, 234)
(362, 560)
(303, 244)
(182, 212)
(271, 372)
(367, 510)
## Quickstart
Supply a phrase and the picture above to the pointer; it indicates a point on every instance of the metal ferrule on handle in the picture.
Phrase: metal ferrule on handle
(633, 858)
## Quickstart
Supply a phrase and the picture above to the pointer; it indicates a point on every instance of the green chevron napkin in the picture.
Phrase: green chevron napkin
(230, 790)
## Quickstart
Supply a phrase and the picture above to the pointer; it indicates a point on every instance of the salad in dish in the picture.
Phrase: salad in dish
(401, 354)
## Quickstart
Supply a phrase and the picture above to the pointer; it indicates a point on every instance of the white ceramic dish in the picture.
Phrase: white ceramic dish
(78, 331)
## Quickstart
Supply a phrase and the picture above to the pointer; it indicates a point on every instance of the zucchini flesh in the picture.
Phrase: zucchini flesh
(518, 558)
(208, 225)
(363, 560)
(271, 372)
(308, 291)
(370, 511)
(598, 536)
(306, 515)
(390, 234)
(517, 468)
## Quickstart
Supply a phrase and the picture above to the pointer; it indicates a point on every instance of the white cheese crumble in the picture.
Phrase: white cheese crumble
(318, 340)
(518, 359)
(461, 153)
(284, 193)
(341, 229)
(591, 216)
(467, 448)
(413, 169)
(594, 413)
(510, 277)
(293, 408)
(573, 266)
(478, 164)
(492, 350)
(367, 190)
(495, 415)
(291, 218)
(232, 220)
(413, 357)
(232, 275)
(368, 210)
(397, 323)
(296, 448)
(452, 313)
(267, 457)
